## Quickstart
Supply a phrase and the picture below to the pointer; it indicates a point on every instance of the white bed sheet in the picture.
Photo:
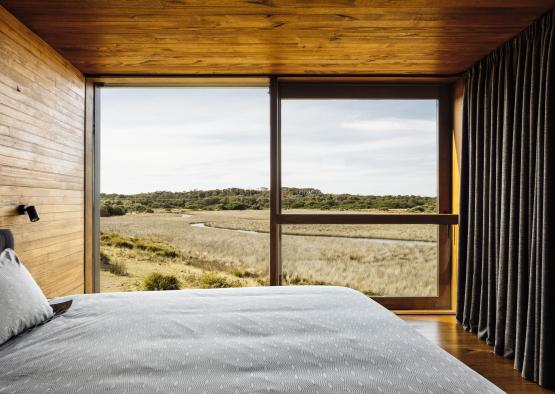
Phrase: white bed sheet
(250, 340)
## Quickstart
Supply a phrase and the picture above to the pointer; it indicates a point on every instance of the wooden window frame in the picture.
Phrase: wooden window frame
(444, 219)
(301, 88)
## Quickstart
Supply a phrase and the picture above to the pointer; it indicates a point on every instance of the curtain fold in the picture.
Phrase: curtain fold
(506, 283)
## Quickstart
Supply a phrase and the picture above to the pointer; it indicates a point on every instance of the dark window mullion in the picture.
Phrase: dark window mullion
(444, 152)
(275, 183)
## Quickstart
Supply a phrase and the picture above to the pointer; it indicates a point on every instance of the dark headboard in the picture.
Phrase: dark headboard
(6, 240)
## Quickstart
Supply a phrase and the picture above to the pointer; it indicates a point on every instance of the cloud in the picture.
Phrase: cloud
(393, 124)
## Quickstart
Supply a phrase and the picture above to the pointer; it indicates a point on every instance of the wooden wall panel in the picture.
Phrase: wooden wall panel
(92, 282)
(42, 156)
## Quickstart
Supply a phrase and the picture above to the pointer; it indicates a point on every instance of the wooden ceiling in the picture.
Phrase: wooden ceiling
(276, 36)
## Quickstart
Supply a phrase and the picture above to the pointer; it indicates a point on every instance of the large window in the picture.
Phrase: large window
(345, 184)
(184, 176)
(362, 190)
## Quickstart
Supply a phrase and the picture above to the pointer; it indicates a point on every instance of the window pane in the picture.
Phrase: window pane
(377, 155)
(207, 149)
(214, 249)
(378, 260)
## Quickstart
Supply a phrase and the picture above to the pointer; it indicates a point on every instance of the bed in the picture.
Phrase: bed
(310, 339)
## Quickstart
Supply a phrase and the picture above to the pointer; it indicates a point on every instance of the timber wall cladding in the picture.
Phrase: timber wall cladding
(42, 156)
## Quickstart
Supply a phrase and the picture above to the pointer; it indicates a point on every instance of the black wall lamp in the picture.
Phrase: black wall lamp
(30, 210)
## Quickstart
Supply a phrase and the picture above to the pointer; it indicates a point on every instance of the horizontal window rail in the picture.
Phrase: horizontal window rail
(309, 90)
(446, 219)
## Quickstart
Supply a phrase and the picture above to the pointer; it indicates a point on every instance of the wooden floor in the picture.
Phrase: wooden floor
(475, 353)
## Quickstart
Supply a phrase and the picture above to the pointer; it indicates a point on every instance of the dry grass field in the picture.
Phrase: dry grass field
(230, 248)
(259, 221)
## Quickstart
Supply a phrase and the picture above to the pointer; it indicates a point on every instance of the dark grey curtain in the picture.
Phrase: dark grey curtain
(506, 289)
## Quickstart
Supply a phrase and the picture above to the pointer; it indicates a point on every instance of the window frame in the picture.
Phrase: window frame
(444, 218)
(299, 87)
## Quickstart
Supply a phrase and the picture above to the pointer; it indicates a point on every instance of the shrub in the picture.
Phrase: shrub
(213, 280)
(118, 268)
(122, 243)
(115, 239)
(105, 238)
(263, 281)
(158, 248)
(235, 206)
(167, 253)
(104, 259)
(104, 211)
(107, 210)
(157, 281)
(118, 210)
(300, 281)
(240, 273)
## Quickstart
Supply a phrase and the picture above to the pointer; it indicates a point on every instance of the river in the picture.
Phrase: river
(373, 240)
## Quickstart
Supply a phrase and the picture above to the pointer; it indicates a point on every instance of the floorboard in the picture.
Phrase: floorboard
(475, 353)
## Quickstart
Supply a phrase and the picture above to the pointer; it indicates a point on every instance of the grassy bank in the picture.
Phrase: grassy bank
(218, 257)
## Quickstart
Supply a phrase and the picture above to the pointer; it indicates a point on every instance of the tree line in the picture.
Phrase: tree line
(241, 199)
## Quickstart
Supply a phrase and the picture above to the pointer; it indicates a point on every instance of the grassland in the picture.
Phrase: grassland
(217, 256)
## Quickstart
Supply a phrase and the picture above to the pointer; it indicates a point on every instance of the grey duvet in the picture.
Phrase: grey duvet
(251, 340)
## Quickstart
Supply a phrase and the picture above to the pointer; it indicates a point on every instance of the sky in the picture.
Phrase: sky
(180, 139)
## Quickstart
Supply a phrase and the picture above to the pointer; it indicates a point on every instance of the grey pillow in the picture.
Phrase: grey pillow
(22, 302)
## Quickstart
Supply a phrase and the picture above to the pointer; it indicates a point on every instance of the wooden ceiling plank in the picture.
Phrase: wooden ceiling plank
(276, 36)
